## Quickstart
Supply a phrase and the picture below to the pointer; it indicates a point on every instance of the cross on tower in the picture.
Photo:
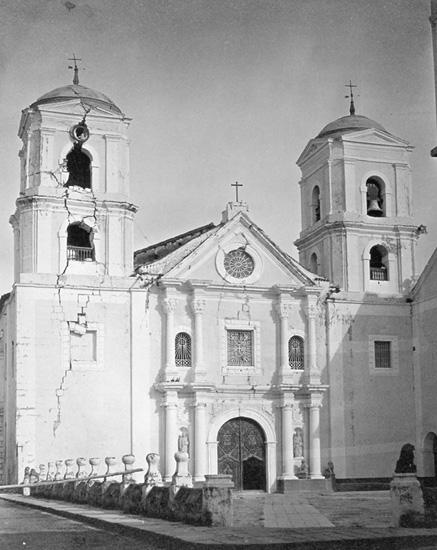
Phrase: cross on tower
(236, 185)
(76, 70)
(351, 96)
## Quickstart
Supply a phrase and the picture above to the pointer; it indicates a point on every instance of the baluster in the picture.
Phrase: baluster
(69, 474)
(59, 465)
(81, 462)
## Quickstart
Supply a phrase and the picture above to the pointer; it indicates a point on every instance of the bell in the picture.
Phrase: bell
(374, 209)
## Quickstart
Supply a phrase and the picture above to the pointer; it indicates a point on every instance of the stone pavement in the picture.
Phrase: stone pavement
(256, 534)
(277, 510)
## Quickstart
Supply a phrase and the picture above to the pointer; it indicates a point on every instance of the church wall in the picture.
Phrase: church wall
(424, 309)
(379, 414)
(66, 406)
(8, 468)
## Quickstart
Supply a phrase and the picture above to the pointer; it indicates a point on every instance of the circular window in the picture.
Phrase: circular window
(238, 263)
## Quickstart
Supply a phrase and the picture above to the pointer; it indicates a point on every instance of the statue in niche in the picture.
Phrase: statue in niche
(298, 442)
(184, 441)
(405, 463)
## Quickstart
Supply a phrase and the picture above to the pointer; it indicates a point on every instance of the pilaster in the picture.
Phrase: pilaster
(198, 307)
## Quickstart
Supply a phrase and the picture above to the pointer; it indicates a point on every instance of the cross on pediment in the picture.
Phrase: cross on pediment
(236, 185)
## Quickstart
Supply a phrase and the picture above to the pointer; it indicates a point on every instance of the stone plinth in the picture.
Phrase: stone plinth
(317, 485)
(219, 480)
(406, 500)
(182, 477)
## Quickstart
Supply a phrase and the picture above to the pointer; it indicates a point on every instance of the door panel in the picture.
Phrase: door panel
(241, 453)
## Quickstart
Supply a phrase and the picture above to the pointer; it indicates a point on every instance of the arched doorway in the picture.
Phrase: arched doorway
(241, 453)
(430, 455)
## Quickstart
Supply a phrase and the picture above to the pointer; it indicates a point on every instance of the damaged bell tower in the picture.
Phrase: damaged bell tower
(73, 214)
(63, 326)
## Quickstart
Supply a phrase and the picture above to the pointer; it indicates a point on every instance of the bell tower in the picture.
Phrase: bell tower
(356, 204)
(73, 214)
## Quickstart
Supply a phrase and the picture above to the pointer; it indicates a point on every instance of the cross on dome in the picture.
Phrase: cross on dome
(75, 67)
(351, 97)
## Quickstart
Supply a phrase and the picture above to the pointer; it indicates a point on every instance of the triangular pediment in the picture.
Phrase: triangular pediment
(236, 252)
(375, 137)
(313, 147)
(77, 107)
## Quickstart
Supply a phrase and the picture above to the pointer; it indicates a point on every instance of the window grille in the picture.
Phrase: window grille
(296, 353)
(382, 355)
(79, 242)
(239, 264)
(378, 267)
(183, 350)
(80, 253)
(240, 348)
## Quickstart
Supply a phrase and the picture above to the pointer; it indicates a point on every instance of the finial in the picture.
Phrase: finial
(76, 70)
(351, 97)
(236, 185)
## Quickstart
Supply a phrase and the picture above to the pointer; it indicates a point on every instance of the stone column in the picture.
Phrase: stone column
(198, 306)
(313, 370)
(171, 436)
(200, 458)
(287, 441)
(314, 433)
(169, 305)
(283, 310)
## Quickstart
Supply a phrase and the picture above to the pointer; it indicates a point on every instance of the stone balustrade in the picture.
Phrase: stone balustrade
(205, 503)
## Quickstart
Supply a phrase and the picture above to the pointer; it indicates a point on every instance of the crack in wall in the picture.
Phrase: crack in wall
(59, 393)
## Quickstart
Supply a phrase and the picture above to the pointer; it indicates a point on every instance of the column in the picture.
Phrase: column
(287, 441)
(314, 433)
(282, 310)
(313, 371)
(198, 307)
(171, 437)
(200, 458)
(169, 305)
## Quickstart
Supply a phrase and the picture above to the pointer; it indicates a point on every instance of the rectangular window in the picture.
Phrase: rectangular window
(240, 348)
(382, 354)
(83, 346)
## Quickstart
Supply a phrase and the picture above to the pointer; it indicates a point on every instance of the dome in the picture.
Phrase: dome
(76, 91)
(349, 123)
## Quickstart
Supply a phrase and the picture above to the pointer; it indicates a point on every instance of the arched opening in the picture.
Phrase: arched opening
(430, 455)
(80, 242)
(315, 204)
(296, 353)
(375, 198)
(182, 349)
(378, 263)
(79, 168)
(314, 263)
(241, 453)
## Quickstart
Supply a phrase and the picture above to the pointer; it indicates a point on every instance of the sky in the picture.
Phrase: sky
(221, 91)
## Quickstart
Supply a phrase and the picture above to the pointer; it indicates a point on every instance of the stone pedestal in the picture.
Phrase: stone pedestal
(182, 477)
(153, 477)
(406, 500)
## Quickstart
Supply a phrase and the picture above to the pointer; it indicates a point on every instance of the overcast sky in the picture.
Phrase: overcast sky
(221, 91)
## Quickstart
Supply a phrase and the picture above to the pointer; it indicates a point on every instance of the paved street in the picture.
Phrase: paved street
(298, 522)
(30, 529)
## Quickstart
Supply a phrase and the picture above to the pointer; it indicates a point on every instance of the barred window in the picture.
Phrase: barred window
(296, 353)
(240, 348)
(382, 355)
(183, 350)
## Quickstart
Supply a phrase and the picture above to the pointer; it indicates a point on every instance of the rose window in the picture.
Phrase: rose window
(239, 264)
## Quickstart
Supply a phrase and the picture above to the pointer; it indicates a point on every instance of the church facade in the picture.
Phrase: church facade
(269, 367)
